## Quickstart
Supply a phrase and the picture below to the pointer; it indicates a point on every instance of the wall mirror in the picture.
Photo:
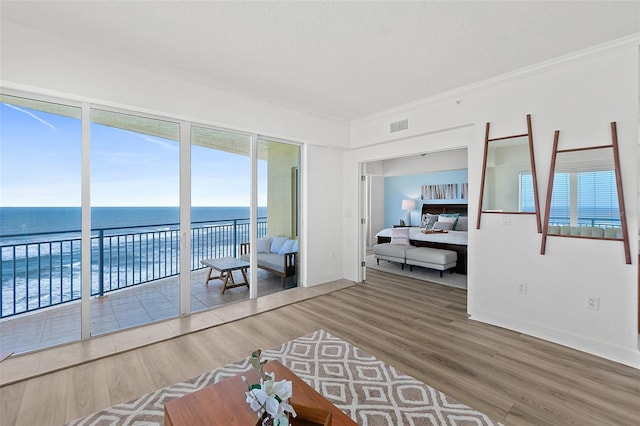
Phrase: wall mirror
(509, 184)
(584, 197)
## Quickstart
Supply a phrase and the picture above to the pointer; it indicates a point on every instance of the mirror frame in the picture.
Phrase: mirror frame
(618, 174)
(487, 140)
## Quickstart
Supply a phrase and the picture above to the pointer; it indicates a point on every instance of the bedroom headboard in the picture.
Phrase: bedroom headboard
(445, 208)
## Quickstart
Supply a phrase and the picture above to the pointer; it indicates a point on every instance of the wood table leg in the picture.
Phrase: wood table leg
(228, 280)
(206, 282)
(244, 276)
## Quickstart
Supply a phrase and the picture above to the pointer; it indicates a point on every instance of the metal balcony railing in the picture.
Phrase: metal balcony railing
(44, 269)
(586, 221)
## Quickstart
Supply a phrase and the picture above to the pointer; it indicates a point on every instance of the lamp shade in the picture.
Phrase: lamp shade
(408, 205)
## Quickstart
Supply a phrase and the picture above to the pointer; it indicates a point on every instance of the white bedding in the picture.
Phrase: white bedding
(415, 233)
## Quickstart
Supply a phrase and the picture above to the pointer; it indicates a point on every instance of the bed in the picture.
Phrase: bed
(452, 240)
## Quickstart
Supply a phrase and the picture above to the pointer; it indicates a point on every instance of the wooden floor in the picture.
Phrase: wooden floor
(420, 328)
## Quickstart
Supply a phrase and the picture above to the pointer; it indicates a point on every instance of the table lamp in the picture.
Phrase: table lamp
(408, 205)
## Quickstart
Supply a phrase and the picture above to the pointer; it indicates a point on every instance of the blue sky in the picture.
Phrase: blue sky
(40, 166)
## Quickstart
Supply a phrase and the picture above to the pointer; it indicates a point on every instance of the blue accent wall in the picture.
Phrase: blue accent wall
(398, 188)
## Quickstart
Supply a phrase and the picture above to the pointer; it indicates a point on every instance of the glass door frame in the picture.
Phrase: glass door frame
(184, 196)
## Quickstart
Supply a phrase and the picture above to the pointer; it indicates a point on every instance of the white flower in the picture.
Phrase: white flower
(271, 396)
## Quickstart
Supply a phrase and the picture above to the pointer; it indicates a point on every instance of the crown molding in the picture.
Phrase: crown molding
(593, 51)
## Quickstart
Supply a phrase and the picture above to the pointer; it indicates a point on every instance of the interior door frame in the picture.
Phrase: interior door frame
(363, 221)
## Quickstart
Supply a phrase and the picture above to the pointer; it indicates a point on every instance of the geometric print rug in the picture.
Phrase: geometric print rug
(371, 392)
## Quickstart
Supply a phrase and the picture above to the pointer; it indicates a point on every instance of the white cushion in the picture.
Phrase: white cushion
(295, 246)
(268, 260)
(428, 220)
(447, 226)
(447, 219)
(462, 224)
(400, 236)
(264, 244)
(390, 250)
(287, 247)
(277, 243)
(431, 255)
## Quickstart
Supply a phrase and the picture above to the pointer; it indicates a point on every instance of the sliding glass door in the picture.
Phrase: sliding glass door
(91, 236)
(220, 199)
(278, 184)
(40, 221)
(135, 237)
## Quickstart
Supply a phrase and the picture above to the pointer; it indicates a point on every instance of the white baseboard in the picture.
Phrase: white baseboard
(324, 279)
(626, 356)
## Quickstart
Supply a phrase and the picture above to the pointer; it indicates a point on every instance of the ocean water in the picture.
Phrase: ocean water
(32, 220)
(40, 248)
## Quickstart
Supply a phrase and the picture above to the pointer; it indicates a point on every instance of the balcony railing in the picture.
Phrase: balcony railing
(586, 221)
(44, 269)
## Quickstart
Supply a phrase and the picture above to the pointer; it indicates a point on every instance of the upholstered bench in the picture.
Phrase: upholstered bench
(432, 258)
(391, 252)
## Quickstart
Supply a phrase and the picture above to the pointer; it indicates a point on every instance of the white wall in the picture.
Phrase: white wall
(323, 227)
(580, 96)
(455, 159)
(36, 62)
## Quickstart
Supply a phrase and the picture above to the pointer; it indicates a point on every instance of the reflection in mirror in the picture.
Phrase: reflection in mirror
(584, 198)
(508, 184)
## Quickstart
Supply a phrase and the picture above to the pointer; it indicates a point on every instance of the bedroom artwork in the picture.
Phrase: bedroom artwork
(447, 191)
(464, 190)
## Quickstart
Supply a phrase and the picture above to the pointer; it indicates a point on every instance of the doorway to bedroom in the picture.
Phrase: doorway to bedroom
(403, 196)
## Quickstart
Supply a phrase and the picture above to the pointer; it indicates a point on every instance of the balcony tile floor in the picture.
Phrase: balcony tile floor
(121, 309)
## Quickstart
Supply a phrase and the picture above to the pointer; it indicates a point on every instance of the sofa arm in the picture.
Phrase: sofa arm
(245, 248)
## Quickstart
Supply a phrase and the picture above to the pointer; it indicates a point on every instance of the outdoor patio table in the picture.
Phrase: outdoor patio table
(226, 266)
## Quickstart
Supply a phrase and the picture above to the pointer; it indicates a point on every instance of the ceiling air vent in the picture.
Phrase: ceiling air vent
(396, 126)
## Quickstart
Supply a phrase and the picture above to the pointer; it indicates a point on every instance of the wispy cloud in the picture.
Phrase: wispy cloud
(166, 145)
(32, 115)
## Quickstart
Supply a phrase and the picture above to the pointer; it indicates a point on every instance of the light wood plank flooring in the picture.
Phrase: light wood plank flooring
(419, 327)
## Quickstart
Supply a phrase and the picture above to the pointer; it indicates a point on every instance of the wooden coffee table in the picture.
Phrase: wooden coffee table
(225, 402)
(226, 266)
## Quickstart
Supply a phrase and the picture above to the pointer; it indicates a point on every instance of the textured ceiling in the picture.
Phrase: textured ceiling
(344, 60)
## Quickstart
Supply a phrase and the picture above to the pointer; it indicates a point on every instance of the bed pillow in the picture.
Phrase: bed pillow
(447, 226)
(449, 217)
(264, 244)
(276, 244)
(428, 220)
(400, 236)
(462, 224)
(287, 247)
(295, 247)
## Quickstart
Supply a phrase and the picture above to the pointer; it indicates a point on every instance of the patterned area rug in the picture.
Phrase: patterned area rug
(368, 390)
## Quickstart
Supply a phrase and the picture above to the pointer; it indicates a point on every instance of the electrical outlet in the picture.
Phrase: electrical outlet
(506, 220)
(522, 288)
(593, 303)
